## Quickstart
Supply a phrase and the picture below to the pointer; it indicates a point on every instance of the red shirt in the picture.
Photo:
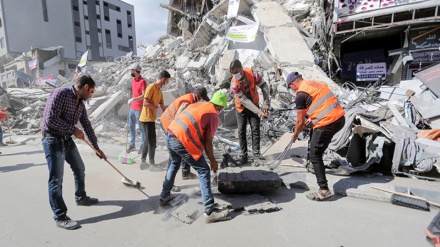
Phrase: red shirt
(137, 87)
(2, 115)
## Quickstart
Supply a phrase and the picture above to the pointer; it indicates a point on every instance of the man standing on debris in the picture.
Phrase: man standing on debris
(177, 107)
(191, 133)
(138, 86)
(153, 98)
(244, 86)
(64, 108)
(3, 115)
(316, 101)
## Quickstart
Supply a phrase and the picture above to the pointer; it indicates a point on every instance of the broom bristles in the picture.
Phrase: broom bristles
(409, 202)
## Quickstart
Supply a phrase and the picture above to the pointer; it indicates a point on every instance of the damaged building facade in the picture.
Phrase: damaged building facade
(389, 128)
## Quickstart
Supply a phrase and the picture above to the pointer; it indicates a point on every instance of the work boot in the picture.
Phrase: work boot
(242, 161)
(131, 149)
(140, 150)
(166, 200)
(87, 201)
(66, 223)
(216, 215)
(186, 176)
(144, 165)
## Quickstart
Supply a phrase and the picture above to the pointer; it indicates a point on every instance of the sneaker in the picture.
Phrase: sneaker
(175, 188)
(87, 201)
(186, 176)
(217, 216)
(130, 149)
(144, 165)
(67, 223)
(166, 200)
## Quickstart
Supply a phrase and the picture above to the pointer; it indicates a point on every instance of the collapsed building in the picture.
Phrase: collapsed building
(379, 58)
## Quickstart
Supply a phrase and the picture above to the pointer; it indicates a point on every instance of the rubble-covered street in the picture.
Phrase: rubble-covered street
(391, 136)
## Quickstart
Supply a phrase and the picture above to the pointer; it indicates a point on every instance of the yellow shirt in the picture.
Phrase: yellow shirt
(155, 97)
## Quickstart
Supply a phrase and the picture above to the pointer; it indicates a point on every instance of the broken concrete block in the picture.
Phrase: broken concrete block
(197, 63)
(249, 181)
(175, 43)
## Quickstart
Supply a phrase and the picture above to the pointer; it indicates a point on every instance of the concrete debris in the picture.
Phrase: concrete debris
(292, 36)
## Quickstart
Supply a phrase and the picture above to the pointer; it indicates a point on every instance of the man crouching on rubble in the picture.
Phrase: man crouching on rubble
(189, 134)
(315, 100)
(64, 108)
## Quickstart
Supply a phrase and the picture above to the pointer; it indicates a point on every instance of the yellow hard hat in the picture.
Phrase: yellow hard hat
(220, 99)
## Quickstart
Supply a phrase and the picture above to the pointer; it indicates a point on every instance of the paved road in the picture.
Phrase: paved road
(126, 217)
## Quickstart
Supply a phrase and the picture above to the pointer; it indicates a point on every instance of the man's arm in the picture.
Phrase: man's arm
(85, 122)
(265, 90)
(140, 97)
(247, 103)
(210, 153)
(300, 123)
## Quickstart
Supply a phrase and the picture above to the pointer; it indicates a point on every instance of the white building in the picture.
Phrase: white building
(104, 27)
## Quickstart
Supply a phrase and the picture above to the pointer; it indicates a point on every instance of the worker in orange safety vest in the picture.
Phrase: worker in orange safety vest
(315, 101)
(177, 107)
(189, 135)
(244, 86)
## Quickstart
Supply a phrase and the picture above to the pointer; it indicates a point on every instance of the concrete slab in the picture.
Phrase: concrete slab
(107, 106)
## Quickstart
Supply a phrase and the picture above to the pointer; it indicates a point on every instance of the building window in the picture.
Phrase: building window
(1, 22)
(129, 22)
(2, 42)
(85, 2)
(97, 2)
(75, 8)
(78, 56)
(98, 17)
(76, 23)
(45, 15)
(119, 28)
(99, 30)
(87, 32)
(78, 39)
(86, 17)
(108, 39)
(106, 18)
(105, 4)
(118, 9)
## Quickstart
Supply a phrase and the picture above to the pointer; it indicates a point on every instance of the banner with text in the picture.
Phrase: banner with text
(371, 71)
(243, 34)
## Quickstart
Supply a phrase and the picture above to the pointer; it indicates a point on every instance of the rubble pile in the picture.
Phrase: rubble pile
(384, 128)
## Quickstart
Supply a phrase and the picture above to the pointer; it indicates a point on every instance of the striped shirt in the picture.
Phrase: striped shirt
(63, 111)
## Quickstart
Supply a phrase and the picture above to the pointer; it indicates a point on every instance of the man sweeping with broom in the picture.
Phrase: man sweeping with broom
(64, 108)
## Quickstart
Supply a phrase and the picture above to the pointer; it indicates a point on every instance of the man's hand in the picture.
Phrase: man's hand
(101, 154)
(308, 122)
(266, 108)
(214, 166)
(78, 133)
(130, 101)
(262, 115)
(294, 138)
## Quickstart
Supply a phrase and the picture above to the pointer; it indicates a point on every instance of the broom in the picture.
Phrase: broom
(125, 180)
(409, 201)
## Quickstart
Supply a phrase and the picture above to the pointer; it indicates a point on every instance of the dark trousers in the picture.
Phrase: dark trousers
(320, 139)
(242, 119)
(150, 141)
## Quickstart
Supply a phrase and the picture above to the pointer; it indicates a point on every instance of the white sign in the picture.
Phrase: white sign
(371, 71)
(233, 8)
(243, 34)
(33, 64)
(83, 60)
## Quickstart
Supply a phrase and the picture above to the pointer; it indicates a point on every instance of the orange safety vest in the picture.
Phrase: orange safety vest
(187, 127)
(255, 98)
(169, 113)
(325, 108)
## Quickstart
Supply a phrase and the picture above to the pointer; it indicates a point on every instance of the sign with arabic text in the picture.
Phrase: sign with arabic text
(371, 71)
(424, 38)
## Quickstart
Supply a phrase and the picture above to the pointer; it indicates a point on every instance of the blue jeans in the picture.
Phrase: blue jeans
(133, 118)
(177, 154)
(57, 150)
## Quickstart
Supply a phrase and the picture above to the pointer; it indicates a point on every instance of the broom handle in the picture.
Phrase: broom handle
(96, 151)
(406, 195)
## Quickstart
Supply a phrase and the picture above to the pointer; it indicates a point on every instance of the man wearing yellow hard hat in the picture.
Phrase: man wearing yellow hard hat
(189, 134)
